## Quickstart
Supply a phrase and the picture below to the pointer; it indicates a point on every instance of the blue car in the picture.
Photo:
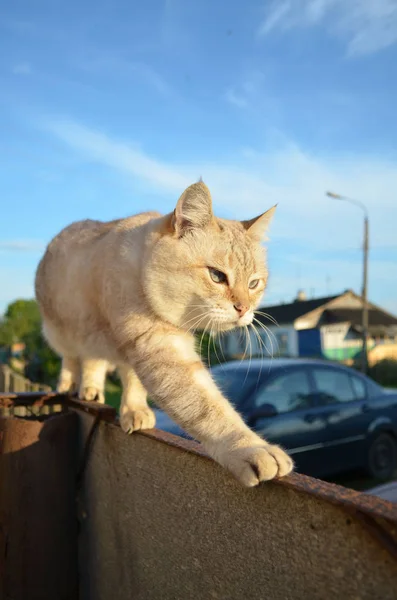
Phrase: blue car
(330, 418)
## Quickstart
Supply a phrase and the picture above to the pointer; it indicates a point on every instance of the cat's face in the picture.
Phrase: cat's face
(207, 273)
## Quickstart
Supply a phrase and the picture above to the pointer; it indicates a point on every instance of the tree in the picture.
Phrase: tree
(20, 318)
(6, 334)
(209, 349)
(42, 364)
(22, 323)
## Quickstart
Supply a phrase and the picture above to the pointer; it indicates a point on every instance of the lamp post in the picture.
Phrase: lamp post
(362, 206)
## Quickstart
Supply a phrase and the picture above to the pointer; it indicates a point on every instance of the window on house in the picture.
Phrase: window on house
(281, 345)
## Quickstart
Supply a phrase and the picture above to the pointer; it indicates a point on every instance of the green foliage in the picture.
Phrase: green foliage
(384, 372)
(42, 364)
(22, 323)
(209, 349)
(113, 394)
(21, 317)
(6, 334)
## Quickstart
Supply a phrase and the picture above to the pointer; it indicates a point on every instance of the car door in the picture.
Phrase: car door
(342, 400)
(297, 427)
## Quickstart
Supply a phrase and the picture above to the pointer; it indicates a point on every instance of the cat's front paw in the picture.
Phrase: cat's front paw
(67, 387)
(259, 463)
(134, 420)
(91, 393)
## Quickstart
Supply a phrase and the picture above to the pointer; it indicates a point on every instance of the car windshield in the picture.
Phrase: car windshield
(237, 384)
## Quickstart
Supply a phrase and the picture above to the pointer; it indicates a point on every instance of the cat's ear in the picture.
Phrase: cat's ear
(258, 226)
(193, 209)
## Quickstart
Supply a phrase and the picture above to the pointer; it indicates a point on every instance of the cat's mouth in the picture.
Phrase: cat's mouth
(245, 320)
(239, 322)
(218, 319)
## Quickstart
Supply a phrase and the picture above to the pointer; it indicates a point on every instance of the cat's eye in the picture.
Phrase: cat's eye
(253, 284)
(217, 276)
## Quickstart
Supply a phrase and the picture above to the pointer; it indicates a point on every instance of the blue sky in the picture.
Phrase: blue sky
(111, 108)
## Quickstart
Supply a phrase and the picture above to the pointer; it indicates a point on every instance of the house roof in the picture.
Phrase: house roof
(376, 317)
(288, 313)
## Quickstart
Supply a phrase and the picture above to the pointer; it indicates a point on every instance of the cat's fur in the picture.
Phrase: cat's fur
(130, 292)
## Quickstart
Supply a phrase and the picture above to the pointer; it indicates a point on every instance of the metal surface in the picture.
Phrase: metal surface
(36, 403)
(364, 357)
(38, 525)
(163, 523)
(377, 515)
(361, 205)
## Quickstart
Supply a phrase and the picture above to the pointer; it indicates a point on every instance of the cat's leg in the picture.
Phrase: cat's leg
(68, 381)
(175, 377)
(135, 413)
(93, 377)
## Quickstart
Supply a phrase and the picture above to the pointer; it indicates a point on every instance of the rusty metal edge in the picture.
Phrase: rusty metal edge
(331, 492)
(39, 399)
(364, 508)
(29, 398)
(335, 494)
(377, 531)
(29, 395)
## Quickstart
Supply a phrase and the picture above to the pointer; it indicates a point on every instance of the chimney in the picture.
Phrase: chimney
(301, 296)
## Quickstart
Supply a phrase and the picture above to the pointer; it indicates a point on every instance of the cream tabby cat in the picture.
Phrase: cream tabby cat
(129, 292)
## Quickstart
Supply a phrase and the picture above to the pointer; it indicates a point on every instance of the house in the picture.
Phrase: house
(328, 327)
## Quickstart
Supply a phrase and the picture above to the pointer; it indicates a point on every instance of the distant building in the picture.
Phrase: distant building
(15, 350)
(328, 327)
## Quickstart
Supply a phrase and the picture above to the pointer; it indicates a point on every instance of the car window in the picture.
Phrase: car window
(287, 392)
(359, 387)
(334, 386)
(236, 385)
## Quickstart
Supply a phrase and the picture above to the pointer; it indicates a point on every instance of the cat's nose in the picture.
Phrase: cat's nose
(241, 308)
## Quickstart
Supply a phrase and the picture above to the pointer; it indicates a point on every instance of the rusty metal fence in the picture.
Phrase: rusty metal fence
(89, 513)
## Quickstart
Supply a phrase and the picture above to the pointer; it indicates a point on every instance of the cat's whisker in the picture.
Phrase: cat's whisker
(196, 325)
(221, 333)
(265, 348)
(261, 346)
(250, 355)
(202, 338)
(211, 339)
(193, 330)
(217, 333)
(261, 343)
(246, 343)
(263, 326)
(267, 316)
(267, 332)
(268, 337)
(258, 337)
(185, 323)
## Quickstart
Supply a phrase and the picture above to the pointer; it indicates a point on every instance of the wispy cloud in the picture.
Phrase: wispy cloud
(22, 69)
(234, 98)
(247, 91)
(102, 149)
(295, 179)
(22, 246)
(368, 26)
(106, 62)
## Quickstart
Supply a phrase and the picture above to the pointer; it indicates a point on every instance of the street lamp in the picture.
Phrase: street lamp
(365, 273)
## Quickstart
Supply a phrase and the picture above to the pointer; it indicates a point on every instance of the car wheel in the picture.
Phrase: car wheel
(382, 456)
